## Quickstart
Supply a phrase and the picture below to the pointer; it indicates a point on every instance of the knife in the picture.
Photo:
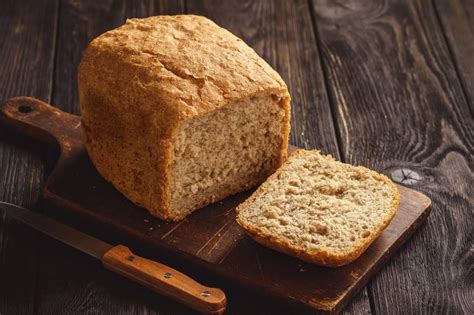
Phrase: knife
(158, 277)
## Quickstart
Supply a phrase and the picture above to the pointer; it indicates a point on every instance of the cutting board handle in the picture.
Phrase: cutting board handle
(40, 121)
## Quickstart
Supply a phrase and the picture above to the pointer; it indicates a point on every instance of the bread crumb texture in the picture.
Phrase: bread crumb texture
(208, 165)
(320, 210)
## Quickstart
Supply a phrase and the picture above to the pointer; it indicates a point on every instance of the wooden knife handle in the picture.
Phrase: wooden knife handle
(165, 280)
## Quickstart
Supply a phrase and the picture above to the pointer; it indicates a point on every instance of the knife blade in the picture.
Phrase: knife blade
(158, 277)
(72, 237)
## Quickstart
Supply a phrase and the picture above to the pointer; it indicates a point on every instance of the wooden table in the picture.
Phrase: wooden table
(389, 85)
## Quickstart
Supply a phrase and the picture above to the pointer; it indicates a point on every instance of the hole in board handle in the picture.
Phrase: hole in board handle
(24, 109)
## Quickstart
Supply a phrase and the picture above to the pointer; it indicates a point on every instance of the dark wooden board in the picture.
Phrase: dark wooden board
(401, 110)
(27, 41)
(209, 237)
(457, 21)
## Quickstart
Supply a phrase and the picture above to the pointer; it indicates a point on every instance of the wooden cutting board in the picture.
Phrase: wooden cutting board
(209, 237)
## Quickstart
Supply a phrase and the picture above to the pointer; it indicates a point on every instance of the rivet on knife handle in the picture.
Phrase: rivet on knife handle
(165, 280)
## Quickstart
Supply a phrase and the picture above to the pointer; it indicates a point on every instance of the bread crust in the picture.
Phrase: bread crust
(140, 82)
(319, 257)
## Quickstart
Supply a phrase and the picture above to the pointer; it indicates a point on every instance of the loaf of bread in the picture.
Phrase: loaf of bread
(320, 210)
(179, 113)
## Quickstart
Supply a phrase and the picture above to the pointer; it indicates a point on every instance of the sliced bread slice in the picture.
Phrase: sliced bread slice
(320, 210)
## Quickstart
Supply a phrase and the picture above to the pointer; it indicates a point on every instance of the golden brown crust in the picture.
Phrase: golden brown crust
(140, 82)
(193, 65)
(287, 126)
(319, 257)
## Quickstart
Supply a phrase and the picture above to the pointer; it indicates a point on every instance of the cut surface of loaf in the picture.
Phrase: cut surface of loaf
(320, 210)
(179, 113)
(225, 152)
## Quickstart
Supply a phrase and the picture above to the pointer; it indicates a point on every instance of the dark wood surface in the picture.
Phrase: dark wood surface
(382, 84)
(400, 108)
(209, 238)
(457, 22)
(28, 33)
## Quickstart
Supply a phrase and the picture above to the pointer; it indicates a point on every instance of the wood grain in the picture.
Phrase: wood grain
(401, 110)
(26, 62)
(457, 20)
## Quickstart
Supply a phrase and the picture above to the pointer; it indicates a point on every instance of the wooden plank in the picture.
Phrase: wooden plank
(26, 54)
(282, 33)
(457, 19)
(401, 110)
(89, 288)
